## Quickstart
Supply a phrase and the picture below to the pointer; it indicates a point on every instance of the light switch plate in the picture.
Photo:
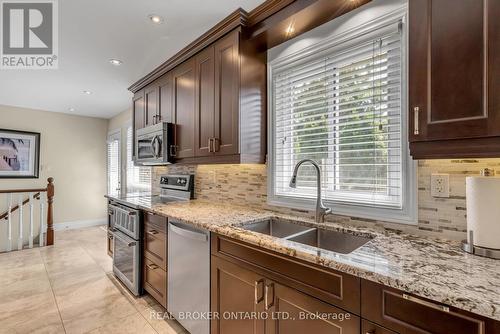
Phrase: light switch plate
(440, 185)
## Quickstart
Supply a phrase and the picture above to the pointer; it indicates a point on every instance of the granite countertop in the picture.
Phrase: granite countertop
(434, 269)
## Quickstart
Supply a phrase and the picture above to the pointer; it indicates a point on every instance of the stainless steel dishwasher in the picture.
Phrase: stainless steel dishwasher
(188, 297)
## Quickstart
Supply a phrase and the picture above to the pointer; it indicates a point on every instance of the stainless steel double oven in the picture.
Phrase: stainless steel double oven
(125, 228)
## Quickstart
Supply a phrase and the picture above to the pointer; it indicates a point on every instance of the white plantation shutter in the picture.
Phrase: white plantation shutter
(341, 106)
(113, 162)
(138, 177)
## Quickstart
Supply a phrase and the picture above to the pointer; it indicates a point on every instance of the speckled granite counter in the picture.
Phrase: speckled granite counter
(437, 270)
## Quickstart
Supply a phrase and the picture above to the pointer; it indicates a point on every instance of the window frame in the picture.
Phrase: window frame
(407, 214)
(114, 135)
(129, 126)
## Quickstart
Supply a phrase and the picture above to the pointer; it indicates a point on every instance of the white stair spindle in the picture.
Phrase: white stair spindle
(31, 199)
(43, 227)
(20, 240)
(9, 222)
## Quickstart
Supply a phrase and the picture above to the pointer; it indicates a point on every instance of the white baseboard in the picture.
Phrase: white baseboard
(79, 224)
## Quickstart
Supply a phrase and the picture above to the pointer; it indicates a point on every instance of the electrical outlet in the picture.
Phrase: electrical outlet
(440, 185)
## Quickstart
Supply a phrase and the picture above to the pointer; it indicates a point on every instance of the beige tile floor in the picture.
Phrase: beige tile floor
(70, 288)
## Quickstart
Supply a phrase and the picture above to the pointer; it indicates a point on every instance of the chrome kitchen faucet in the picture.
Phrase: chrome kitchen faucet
(321, 209)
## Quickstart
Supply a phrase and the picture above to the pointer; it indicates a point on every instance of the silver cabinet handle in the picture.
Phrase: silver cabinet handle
(187, 233)
(215, 147)
(426, 303)
(152, 232)
(416, 129)
(210, 145)
(257, 284)
(266, 296)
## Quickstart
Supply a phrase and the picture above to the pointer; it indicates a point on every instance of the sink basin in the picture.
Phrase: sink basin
(276, 228)
(331, 240)
(334, 241)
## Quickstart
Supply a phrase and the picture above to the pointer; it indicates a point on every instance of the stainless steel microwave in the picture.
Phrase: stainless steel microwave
(153, 143)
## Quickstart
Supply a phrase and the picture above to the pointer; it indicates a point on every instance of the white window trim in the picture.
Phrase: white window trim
(409, 212)
(115, 135)
(129, 124)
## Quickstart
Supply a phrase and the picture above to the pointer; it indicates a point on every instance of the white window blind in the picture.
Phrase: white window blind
(138, 177)
(341, 106)
(113, 162)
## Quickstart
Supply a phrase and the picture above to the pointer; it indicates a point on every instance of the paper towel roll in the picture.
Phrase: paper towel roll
(483, 210)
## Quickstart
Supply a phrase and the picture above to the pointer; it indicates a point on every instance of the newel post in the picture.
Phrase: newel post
(50, 216)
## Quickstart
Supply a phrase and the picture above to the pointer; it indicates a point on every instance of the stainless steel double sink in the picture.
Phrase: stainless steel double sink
(334, 241)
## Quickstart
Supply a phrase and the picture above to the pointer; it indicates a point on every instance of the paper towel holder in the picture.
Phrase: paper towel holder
(480, 251)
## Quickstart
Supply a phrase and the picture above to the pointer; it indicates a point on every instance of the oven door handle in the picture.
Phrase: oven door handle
(129, 242)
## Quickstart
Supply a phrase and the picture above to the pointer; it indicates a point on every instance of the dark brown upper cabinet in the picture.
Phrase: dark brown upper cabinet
(138, 110)
(217, 98)
(227, 97)
(454, 77)
(165, 98)
(205, 102)
(184, 108)
(151, 104)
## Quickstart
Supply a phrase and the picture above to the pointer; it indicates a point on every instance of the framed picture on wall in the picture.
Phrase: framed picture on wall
(19, 154)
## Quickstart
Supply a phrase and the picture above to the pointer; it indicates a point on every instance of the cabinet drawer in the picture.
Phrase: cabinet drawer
(155, 248)
(414, 315)
(368, 327)
(155, 281)
(155, 239)
(334, 287)
(154, 221)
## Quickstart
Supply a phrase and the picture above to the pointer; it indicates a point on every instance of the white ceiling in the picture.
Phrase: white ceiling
(93, 31)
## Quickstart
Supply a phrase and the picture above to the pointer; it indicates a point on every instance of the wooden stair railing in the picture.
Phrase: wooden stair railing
(49, 234)
(5, 215)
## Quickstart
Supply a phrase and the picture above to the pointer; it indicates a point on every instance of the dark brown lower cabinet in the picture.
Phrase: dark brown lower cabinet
(295, 313)
(155, 281)
(234, 289)
(407, 314)
(154, 261)
(248, 302)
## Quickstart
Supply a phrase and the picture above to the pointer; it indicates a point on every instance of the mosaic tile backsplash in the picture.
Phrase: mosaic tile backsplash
(437, 217)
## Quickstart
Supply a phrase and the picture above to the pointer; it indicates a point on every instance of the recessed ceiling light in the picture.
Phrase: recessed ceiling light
(88, 92)
(156, 18)
(116, 62)
(290, 29)
(71, 109)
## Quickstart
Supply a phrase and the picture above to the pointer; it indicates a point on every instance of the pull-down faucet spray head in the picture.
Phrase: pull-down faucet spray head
(293, 181)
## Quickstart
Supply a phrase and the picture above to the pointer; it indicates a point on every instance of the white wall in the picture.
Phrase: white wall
(73, 152)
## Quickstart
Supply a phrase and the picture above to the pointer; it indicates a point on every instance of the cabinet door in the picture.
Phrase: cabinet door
(151, 104)
(138, 110)
(227, 81)
(408, 314)
(184, 108)
(165, 91)
(205, 99)
(235, 289)
(296, 312)
(155, 281)
(453, 68)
